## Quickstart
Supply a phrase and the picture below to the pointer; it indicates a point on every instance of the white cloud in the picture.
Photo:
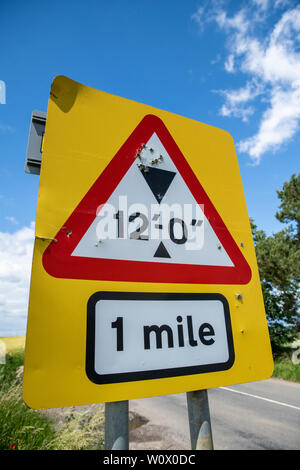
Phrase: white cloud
(277, 64)
(12, 220)
(238, 23)
(229, 63)
(271, 60)
(199, 17)
(15, 267)
(263, 4)
(5, 128)
(275, 60)
(236, 101)
(240, 112)
(279, 123)
(216, 60)
(282, 3)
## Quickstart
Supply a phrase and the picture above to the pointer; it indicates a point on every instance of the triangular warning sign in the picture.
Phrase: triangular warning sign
(148, 219)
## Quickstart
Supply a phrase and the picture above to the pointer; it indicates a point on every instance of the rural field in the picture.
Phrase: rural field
(22, 428)
(14, 343)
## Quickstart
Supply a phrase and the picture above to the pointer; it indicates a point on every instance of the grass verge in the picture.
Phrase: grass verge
(26, 429)
(20, 427)
(285, 369)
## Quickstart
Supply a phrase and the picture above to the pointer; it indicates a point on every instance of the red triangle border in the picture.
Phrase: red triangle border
(57, 259)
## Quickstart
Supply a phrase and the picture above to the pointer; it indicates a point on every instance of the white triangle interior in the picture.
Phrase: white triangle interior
(133, 189)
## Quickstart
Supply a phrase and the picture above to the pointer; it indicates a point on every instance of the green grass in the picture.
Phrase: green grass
(22, 428)
(285, 369)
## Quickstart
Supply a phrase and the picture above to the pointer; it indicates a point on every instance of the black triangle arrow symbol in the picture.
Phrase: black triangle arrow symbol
(158, 181)
(161, 252)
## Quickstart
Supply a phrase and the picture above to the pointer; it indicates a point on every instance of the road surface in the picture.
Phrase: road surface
(256, 415)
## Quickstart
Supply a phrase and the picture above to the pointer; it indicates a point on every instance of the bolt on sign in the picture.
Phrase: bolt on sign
(144, 276)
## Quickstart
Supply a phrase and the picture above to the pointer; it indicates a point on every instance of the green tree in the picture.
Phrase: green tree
(290, 206)
(278, 258)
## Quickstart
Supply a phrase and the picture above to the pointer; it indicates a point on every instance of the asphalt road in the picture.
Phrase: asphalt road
(257, 415)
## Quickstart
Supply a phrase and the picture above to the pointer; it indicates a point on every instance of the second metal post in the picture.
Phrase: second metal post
(199, 420)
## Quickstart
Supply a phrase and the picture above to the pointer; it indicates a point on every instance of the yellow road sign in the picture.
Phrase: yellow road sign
(144, 277)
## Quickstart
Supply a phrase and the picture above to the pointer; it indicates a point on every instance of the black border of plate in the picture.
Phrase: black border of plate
(151, 374)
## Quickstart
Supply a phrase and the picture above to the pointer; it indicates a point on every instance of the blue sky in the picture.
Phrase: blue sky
(230, 64)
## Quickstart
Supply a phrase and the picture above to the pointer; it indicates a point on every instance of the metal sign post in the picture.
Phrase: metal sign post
(117, 423)
(199, 420)
(116, 426)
